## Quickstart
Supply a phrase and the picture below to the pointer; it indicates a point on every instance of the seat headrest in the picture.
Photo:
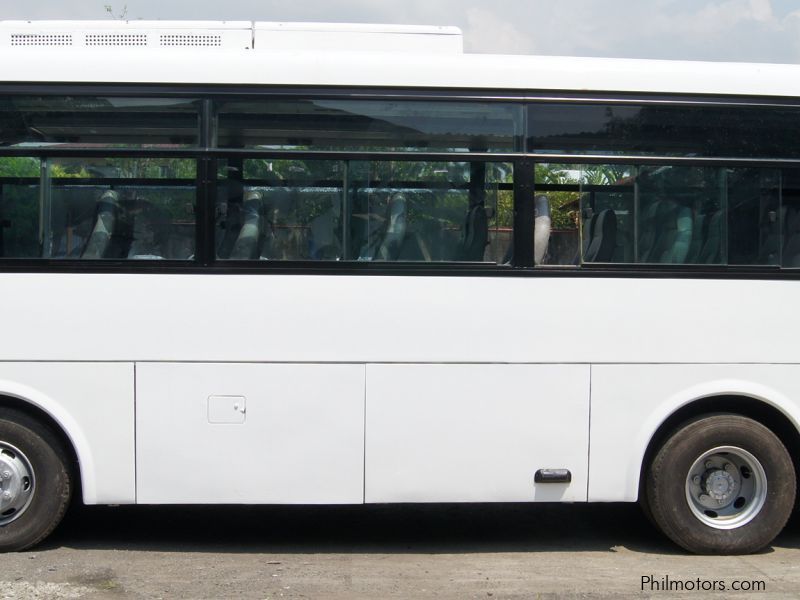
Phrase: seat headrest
(110, 196)
(542, 206)
(253, 195)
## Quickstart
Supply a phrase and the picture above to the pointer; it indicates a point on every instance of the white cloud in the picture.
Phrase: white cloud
(716, 17)
(736, 30)
(485, 31)
(761, 10)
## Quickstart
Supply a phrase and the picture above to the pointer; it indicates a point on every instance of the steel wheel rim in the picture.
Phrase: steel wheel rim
(17, 483)
(726, 487)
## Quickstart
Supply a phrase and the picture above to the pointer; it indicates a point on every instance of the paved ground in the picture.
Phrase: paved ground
(380, 553)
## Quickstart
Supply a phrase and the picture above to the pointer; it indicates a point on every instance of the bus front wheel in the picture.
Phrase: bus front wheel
(35, 484)
(721, 484)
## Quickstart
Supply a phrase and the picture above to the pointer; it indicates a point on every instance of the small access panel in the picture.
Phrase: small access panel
(227, 410)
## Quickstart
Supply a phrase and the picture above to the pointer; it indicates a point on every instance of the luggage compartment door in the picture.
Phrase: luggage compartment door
(477, 433)
(249, 433)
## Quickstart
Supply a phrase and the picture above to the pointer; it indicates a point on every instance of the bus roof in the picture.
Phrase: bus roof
(357, 56)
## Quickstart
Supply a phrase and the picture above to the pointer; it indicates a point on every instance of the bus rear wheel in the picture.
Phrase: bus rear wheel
(721, 484)
(35, 483)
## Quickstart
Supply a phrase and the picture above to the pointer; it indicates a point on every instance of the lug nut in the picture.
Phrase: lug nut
(6, 474)
(709, 464)
(696, 480)
(6, 495)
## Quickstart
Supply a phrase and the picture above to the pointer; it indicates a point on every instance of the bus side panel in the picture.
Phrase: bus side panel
(475, 433)
(630, 402)
(94, 404)
(250, 433)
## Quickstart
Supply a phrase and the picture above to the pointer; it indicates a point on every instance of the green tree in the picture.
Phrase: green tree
(23, 166)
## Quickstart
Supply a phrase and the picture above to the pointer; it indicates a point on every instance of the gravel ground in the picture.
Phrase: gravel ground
(475, 551)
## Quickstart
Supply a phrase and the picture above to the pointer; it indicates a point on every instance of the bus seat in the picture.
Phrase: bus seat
(648, 232)
(698, 237)
(712, 246)
(663, 232)
(324, 242)
(673, 233)
(589, 220)
(542, 225)
(681, 235)
(246, 246)
(604, 238)
(150, 230)
(475, 235)
(387, 240)
(102, 241)
(396, 226)
(791, 246)
(770, 235)
(229, 217)
(623, 253)
(277, 237)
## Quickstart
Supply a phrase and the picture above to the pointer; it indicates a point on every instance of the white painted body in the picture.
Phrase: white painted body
(475, 432)
(93, 402)
(383, 389)
(301, 441)
(629, 402)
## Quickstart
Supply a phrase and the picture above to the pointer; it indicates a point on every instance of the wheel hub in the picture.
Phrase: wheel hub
(16, 483)
(726, 487)
(721, 486)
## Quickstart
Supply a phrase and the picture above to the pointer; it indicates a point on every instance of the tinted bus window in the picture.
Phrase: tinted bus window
(385, 125)
(432, 212)
(94, 121)
(90, 208)
(675, 215)
(279, 209)
(19, 207)
(654, 129)
(382, 211)
(787, 220)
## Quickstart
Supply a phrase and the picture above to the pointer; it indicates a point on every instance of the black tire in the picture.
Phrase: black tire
(52, 482)
(666, 485)
(646, 511)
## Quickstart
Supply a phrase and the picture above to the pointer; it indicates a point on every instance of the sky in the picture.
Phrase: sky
(717, 30)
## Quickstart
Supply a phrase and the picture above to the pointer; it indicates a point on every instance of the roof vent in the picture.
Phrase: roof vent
(236, 35)
(180, 39)
(116, 39)
(41, 39)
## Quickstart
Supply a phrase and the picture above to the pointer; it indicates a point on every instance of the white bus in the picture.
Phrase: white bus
(313, 264)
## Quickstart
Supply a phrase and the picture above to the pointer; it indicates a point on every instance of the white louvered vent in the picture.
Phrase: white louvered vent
(132, 35)
(193, 40)
(41, 39)
(116, 39)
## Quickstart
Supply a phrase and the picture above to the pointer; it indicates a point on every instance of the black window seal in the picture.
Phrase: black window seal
(226, 91)
(353, 268)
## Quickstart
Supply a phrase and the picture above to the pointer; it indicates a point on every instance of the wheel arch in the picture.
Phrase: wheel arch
(48, 412)
(769, 414)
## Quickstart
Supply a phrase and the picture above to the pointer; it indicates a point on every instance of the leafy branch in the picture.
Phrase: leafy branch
(120, 16)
